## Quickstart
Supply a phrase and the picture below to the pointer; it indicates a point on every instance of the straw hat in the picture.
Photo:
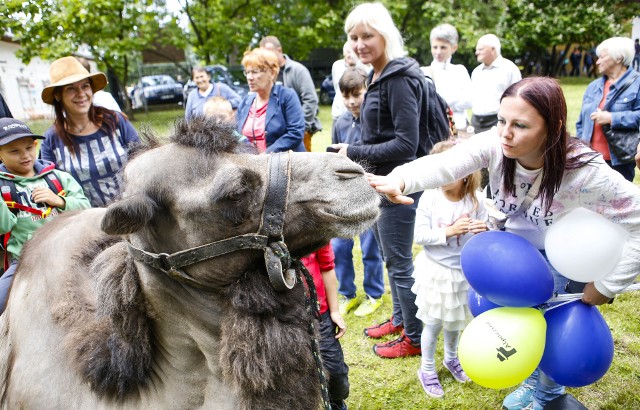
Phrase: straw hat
(68, 70)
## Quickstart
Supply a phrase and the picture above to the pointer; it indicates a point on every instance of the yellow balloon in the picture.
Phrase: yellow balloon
(501, 347)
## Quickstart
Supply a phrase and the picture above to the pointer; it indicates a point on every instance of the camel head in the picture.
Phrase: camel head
(205, 186)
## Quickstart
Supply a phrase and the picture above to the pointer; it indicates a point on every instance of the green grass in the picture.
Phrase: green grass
(159, 119)
(573, 88)
(392, 384)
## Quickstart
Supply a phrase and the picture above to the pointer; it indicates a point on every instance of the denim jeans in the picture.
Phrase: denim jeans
(5, 285)
(373, 282)
(628, 171)
(333, 362)
(546, 389)
(394, 231)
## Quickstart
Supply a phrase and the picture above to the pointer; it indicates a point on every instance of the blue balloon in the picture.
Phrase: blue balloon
(579, 346)
(506, 269)
(479, 304)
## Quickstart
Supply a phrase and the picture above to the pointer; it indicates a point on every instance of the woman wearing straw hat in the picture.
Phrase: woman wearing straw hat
(87, 141)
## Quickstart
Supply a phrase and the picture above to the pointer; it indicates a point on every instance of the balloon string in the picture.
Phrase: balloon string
(547, 307)
(571, 297)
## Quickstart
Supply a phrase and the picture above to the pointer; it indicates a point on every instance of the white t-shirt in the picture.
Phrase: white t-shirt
(454, 85)
(434, 214)
(104, 99)
(595, 186)
(337, 108)
(490, 82)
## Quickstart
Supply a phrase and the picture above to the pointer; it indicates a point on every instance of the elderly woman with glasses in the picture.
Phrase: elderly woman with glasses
(270, 116)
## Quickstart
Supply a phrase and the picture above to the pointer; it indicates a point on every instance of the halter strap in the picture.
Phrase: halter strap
(268, 238)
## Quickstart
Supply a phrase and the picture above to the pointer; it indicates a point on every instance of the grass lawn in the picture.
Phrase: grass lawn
(392, 384)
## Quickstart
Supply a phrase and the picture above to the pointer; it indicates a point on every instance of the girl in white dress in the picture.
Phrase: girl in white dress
(446, 218)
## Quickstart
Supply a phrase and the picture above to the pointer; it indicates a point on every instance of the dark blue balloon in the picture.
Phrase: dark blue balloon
(579, 346)
(506, 269)
(479, 304)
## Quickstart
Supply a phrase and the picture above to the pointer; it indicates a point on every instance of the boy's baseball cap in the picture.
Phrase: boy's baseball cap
(12, 129)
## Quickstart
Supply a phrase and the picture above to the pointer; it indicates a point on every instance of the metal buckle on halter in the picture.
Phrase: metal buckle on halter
(163, 260)
(278, 262)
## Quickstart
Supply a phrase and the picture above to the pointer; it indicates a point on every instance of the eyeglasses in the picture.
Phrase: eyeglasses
(252, 72)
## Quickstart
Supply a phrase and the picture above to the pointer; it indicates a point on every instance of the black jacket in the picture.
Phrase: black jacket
(4, 109)
(393, 115)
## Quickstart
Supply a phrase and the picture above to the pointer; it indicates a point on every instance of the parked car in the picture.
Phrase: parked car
(327, 92)
(156, 89)
(220, 74)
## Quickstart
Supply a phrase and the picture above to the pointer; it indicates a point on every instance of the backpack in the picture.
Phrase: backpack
(436, 125)
(12, 199)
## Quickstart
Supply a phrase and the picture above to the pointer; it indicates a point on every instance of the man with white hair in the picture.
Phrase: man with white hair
(489, 80)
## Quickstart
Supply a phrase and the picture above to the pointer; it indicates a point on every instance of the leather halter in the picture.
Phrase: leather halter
(269, 237)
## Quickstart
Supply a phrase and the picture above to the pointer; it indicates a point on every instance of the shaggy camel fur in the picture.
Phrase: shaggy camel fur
(89, 327)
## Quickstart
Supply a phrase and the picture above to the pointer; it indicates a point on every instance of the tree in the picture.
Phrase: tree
(113, 30)
(221, 30)
(537, 29)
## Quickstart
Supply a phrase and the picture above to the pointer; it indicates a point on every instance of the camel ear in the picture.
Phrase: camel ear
(128, 215)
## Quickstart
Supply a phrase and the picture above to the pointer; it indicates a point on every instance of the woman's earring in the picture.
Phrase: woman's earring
(464, 180)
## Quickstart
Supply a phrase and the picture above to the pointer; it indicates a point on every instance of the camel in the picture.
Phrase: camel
(94, 321)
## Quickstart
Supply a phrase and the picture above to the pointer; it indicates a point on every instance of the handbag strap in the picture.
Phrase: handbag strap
(532, 194)
(620, 90)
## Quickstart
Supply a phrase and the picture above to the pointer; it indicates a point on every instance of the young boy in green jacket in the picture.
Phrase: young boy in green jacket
(32, 192)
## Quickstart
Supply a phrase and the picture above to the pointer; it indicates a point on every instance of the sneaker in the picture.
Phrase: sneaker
(456, 370)
(519, 398)
(346, 305)
(383, 329)
(430, 384)
(532, 406)
(400, 347)
(367, 307)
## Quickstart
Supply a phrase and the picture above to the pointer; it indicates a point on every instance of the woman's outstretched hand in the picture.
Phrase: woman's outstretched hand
(391, 186)
(592, 296)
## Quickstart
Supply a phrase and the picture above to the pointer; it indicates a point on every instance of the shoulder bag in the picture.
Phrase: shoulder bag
(623, 142)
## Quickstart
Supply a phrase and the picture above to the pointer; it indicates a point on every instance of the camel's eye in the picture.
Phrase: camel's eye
(235, 193)
(235, 196)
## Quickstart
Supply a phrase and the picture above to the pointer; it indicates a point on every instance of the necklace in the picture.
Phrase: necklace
(78, 130)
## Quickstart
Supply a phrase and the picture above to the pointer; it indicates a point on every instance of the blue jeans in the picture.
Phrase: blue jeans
(333, 362)
(394, 232)
(546, 389)
(628, 171)
(373, 282)
(5, 285)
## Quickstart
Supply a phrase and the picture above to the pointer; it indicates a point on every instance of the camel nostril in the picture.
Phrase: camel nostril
(349, 173)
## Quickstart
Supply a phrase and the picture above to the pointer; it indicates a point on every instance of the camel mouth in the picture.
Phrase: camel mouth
(352, 221)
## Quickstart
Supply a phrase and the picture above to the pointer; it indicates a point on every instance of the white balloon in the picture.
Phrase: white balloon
(584, 246)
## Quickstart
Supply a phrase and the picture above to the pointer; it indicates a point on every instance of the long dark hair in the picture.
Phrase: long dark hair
(545, 95)
(100, 116)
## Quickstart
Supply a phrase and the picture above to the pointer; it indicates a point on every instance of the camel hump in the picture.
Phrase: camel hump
(87, 307)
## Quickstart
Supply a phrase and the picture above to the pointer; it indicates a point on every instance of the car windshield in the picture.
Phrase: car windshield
(151, 81)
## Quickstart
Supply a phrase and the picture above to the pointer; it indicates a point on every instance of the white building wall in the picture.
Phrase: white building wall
(635, 28)
(21, 85)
